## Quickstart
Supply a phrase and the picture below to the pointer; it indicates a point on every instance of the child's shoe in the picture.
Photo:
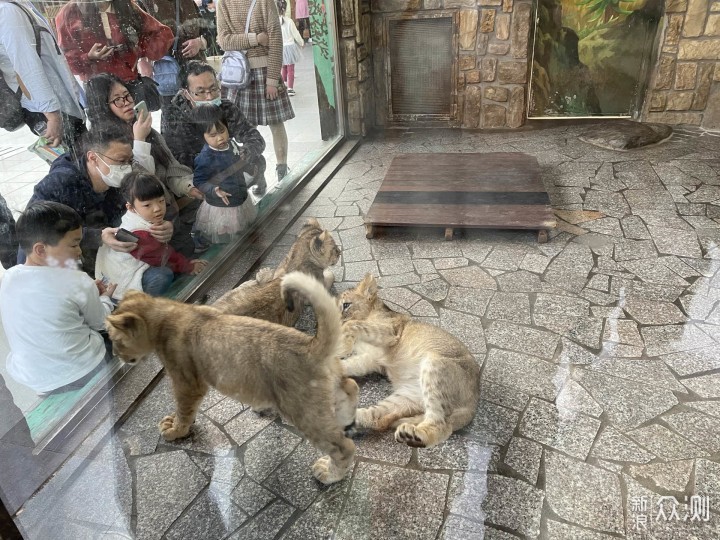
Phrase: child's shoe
(291, 92)
(281, 169)
(202, 244)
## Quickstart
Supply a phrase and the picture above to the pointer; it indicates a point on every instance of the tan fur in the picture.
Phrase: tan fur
(436, 381)
(256, 362)
(312, 253)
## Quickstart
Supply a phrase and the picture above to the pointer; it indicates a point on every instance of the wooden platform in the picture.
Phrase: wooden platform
(500, 190)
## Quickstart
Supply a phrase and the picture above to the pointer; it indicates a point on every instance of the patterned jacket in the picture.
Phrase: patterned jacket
(186, 140)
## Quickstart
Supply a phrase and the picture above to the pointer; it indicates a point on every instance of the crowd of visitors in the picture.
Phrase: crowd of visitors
(125, 206)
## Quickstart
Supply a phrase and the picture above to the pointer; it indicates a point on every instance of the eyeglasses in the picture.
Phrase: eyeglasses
(131, 161)
(122, 100)
(200, 92)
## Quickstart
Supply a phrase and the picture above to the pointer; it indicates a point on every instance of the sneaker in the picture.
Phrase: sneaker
(291, 92)
(281, 170)
(202, 244)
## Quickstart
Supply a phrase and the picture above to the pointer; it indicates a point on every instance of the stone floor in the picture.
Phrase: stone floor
(600, 410)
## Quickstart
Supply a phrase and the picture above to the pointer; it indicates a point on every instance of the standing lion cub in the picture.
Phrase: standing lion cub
(254, 361)
(435, 379)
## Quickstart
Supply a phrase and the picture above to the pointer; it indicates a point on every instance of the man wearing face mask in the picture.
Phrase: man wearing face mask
(90, 185)
(200, 88)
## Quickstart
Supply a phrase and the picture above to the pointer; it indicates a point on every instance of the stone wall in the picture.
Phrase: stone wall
(493, 63)
(685, 86)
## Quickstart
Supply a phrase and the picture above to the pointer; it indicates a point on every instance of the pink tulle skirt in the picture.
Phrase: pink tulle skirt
(221, 225)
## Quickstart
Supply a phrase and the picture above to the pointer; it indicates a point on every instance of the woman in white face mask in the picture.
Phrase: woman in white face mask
(110, 103)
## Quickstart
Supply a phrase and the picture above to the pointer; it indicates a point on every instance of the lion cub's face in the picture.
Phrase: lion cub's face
(127, 328)
(359, 302)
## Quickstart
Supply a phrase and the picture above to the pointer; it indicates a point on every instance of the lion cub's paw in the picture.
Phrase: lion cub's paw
(168, 429)
(326, 471)
(410, 434)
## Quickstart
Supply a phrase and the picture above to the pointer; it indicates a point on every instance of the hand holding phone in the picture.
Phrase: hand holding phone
(123, 235)
(142, 106)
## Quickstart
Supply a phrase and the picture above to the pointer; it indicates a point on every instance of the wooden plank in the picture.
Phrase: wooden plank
(483, 216)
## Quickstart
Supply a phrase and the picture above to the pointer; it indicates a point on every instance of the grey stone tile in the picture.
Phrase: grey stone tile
(513, 307)
(572, 353)
(640, 370)
(423, 308)
(554, 304)
(392, 503)
(224, 411)
(570, 269)
(563, 531)
(472, 301)
(400, 296)
(350, 238)
(523, 456)
(435, 290)
(356, 254)
(604, 312)
(612, 204)
(470, 277)
(356, 271)
(628, 404)
(705, 386)
(381, 446)
(467, 328)
(674, 242)
(651, 312)
(474, 250)
(525, 373)
(698, 307)
(665, 444)
(389, 250)
(700, 221)
(692, 362)
(574, 397)
(166, 484)
(534, 262)
(650, 271)
(570, 432)
(435, 250)
(583, 494)
(520, 281)
(584, 330)
(270, 448)
(651, 201)
(634, 228)
(141, 443)
(349, 210)
(460, 528)
(220, 470)
(613, 445)
(622, 331)
(450, 262)
(461, 453)
(319, 521)
(267, 524)
(661, 340)
(522, 339)
(395, 266)
(210, 517)
(424, 266)
(150, 411)
(630, 250)
(504, 258)
(700, 428)
(670, 476)
(466, 493)
(251, 496)
(243, 427)
(398, 280)
(609, 226)
(707, 478)
(506, 396)
(513, 504)
(350, 222)
(704, 194)
(599, 282)
(204, 437)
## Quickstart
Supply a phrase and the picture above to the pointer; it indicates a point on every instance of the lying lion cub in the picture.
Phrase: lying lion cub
(312, 253)
(253, 361)
(436, 380)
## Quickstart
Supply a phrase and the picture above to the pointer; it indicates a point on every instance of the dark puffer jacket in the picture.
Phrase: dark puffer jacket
(185, 139)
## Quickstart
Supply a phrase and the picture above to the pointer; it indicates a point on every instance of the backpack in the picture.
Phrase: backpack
(11, 111)
(8, 239)
(235, 68)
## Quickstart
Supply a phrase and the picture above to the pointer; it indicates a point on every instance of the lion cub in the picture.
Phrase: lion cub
(312, 253)
(253, 361)
(435, 378)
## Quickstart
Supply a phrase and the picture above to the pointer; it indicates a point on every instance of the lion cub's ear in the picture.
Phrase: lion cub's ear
(130, 323)
(368, 286)
(313, 222)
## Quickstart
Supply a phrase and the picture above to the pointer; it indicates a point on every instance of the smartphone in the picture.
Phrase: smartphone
(142, 106)
(126, 236)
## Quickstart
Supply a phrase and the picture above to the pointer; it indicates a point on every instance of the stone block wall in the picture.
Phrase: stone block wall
(492, 66)
(685, 86)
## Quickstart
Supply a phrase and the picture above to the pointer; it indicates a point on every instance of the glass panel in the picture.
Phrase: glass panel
(214, 189)
(591, 58)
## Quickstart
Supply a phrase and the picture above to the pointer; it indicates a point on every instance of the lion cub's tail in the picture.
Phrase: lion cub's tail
(329, 331)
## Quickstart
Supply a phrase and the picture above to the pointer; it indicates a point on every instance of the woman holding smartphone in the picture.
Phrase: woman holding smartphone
(110, 103)
(109, 37)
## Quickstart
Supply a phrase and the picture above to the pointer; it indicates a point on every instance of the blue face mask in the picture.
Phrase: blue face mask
(214, 102)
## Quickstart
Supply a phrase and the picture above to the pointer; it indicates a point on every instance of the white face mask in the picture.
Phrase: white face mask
(214, 102)
(117, 173)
